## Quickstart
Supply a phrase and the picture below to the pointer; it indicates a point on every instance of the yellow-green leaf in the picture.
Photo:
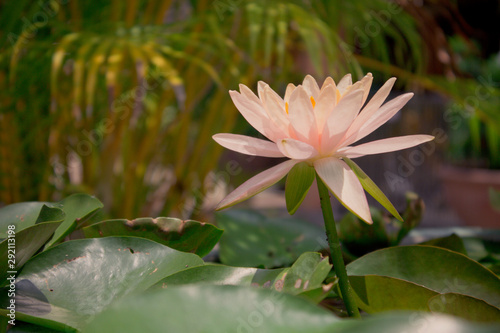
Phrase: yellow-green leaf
(372, 188)
(298, 182)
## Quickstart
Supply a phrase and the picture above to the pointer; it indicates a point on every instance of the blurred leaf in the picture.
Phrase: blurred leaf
(187, 236)
(372, 188)
(466, 307)
(495, 198)
(360, 238)
(434, 268)
(28, 240)
(480, 249)
(251, 239)
(298, 182)
(70, 283)
(317, 295)
(216, 308)
(412, 216)
(452, 242)
(413, 322)
(30, 328)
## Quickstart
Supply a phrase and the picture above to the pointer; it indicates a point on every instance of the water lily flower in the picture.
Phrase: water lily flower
(317, 126)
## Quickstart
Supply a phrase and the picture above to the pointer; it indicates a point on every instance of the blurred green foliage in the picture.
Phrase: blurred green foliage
(120, 98)
(474, 119)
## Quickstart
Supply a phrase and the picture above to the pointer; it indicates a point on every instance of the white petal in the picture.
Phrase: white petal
(257, 184)
(296, 150)
(370, 109)
(344, 83)
(325, 105)
(301, 115)
(386, 112)
(248, 145)
(340, 119)
(256, 116)
(328, 81)
(289, 89)
(385, 145)
(311, 86)
(344, 184)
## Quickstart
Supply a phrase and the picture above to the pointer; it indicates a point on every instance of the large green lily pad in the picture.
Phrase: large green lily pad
(68, 284)
(437, 269)
(464, 306)
(202, 308)
(375, 293)
(186, 236)
(306, 274)
(210, 274)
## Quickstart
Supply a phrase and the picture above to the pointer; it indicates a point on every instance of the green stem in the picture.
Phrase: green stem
(335, 250)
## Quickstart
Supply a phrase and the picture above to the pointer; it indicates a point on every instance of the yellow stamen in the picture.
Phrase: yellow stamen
(313, 101)
(286, 107)
(339, 96)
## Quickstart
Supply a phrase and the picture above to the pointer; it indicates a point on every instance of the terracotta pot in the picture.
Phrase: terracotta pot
(467, 192)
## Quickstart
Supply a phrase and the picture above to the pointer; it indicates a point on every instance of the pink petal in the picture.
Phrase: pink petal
(289, 89)
(370, 109)
(325, 105)
(264, 90)
(386, 112)
(385, 145)
(275, 108)
(248, 93)
(328, 81)
(257, 184)
(248, 145)
(344, 184)
(301, 115)
(311, 86)
(344, 83)
(261, 85)
(256, 116)
(296, 150)
(364, 84)
(340, 119)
